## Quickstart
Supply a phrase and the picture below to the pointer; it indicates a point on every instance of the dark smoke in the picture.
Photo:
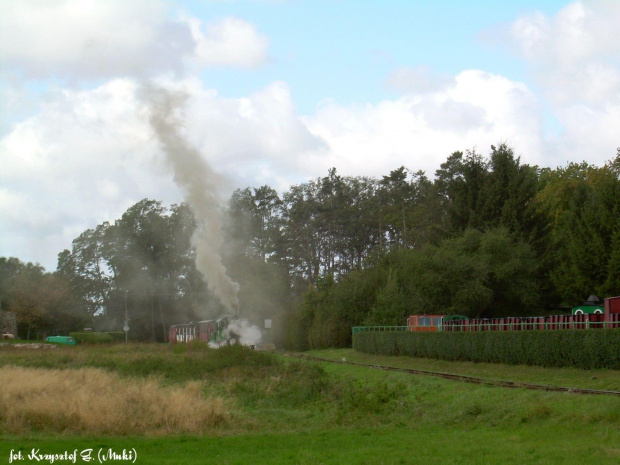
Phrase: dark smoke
(200, 185)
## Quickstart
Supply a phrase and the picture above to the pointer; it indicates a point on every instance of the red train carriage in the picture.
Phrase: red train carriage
(206, 331)
(183, 332)
(612, 312)
(424, 322)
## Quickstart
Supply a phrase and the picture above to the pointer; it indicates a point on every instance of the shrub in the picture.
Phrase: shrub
(581, 349)
(98, 337)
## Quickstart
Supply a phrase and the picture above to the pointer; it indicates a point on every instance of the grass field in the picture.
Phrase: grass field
(187, 405)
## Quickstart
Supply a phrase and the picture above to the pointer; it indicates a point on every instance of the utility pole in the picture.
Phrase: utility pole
(126, 327)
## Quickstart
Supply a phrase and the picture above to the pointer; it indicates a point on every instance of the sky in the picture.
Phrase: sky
(276, 92)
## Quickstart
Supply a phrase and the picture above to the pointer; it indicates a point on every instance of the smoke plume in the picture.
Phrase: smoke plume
(246, 333)
(200, 185)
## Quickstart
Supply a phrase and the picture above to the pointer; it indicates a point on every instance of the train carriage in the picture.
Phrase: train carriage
(612, 312)
(590, 316)
(208, 331)
(424, 323)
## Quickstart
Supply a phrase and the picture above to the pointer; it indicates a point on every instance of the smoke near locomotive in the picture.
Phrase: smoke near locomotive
(224, 330)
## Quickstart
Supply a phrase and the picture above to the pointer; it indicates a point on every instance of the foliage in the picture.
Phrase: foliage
(481, 193)
(390, 305)
(254, 227)
(98, 337)
(477, 274)
(583, 204)
(42, 302)
(141, 267)
(486, 236)
(327, 313)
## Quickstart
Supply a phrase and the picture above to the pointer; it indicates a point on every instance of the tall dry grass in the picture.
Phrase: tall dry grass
(94, 401)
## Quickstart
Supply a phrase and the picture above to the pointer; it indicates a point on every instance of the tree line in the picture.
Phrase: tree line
(486, 236)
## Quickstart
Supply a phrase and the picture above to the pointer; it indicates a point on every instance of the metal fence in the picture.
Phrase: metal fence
(364, 329)
(568, 322)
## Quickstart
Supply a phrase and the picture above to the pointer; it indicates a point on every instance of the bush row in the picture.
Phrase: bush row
(585, 349)
(98, 338)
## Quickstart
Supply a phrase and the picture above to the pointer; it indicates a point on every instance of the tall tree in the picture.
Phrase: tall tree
(396, 193)
(255, 221)
(509, 195)
(86, 266)
(360, 219)
(476, 274)
(143, 264)
(460, 182)
(583, 204)
(301, 243)
(42, 302)
(390, 308)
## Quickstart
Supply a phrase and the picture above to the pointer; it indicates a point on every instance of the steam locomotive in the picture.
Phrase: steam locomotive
(589, 315)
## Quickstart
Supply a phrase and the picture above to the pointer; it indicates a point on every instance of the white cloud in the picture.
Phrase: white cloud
(589, 134)
(229, 42)
(420, 129)
(575, 58)
(580, 32)
(84, 158)
(418, 79)
(91, 38)
(88, 155)
(575, 54)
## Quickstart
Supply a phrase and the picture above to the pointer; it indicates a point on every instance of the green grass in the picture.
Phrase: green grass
(602, 379)
(372, 446)
(178, 364)
(286, 411)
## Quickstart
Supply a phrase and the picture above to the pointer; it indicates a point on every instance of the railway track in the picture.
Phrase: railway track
(467, 379)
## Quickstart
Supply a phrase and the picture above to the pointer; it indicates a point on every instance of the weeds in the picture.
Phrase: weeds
(93, 401)
(190, 362)
(133, 389)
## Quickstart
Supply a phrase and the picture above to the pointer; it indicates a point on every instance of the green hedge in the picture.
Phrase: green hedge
(585, 349)
(98, 338)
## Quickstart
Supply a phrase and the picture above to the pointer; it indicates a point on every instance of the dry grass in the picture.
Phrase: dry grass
(94, 401)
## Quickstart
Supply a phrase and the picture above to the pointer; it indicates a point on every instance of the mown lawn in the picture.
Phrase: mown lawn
(280, 410)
